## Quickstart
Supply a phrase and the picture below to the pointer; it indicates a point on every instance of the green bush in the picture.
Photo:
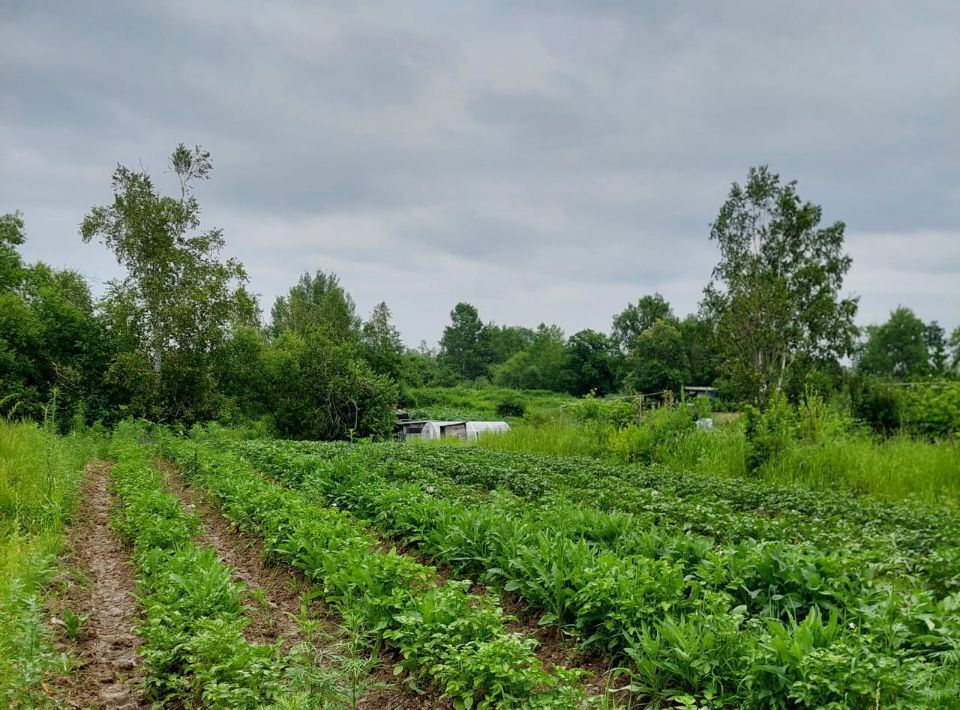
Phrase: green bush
(932, 411)
(512, 406)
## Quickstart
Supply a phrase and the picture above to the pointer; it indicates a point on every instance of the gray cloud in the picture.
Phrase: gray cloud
(546, 161)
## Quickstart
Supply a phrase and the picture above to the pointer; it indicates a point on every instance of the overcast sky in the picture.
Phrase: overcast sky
(545, 161)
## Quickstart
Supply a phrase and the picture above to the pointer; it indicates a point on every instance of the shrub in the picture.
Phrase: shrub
(511, 406)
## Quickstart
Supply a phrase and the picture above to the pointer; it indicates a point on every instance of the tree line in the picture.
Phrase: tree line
(179, 338)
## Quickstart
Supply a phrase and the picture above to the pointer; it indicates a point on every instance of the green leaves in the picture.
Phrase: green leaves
(444, 635)
(775, 293)
(691, 579)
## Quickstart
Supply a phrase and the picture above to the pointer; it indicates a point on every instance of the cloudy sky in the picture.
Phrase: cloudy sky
(546, 161)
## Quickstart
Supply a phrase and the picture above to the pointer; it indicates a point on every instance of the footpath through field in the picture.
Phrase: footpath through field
(101, 589)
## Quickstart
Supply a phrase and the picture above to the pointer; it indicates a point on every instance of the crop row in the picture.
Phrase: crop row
(194, 651)
(712, 622)
(443, 634)
(891, 537)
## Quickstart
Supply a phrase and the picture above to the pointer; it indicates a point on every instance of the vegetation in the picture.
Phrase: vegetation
(738, 595)
(798, 548)
(40, 477)
(444, 635)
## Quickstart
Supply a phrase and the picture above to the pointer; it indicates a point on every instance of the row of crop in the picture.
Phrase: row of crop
(892, 538)
(194, 651)
(655, 608)
(443, 634)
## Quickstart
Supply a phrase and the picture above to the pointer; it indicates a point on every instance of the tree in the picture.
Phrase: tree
(775, 293)
(935, 338)
(380, 343)
(899, 348)
(317, 301)
(592, 362)
(504, 341)
(954, 345)
(50, 338)
(178, 300)
(11, 237)
(636, 318)
(320, 389)
(700, 344)
(464, 349)
(541, 366)
(658, 359)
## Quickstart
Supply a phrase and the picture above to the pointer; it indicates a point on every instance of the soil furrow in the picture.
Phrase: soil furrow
(101, 589)
(274, 593)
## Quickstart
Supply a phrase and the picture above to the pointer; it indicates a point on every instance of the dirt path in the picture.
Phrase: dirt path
(276, 602)
(101, 584)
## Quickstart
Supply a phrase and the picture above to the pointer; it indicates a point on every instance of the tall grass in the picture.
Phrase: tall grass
(898, 468)
(39, 480)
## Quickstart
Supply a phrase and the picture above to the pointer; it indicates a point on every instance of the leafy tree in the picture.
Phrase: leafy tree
(506, 340)
(935, 338)
(775, 293)
(50, 338)
(592, 362)
(320, 389)
(899, 348)
(178, 300)
(699, 342)
(239, 367)
(11, 237)
(541, 366)
(954, 345)
(658, 359)
(317, 301)
(464, 348)
(636, 318)
(380, 343)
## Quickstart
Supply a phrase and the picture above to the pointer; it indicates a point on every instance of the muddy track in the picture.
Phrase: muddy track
(100, 584)
(276, 594)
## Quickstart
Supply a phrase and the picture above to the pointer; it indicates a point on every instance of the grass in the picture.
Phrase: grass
(479, 402)
(896, 468)
(39, 480)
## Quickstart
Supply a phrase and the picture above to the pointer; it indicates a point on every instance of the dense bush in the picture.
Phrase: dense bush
(512, 406)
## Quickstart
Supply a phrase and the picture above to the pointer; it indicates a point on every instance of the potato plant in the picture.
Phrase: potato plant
(731, 619)
(444, 635)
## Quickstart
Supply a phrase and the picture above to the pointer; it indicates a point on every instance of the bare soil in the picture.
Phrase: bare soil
(100, 585)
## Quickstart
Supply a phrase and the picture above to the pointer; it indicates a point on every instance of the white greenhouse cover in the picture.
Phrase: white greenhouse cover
(431, 430)
(474, 429)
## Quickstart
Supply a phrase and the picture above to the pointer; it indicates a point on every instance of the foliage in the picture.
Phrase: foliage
(932, 411)
(39, 482)
(593, 363)
(50, 338)
(317, 301)
(658, 359)
(464, 348)
(178, 299)
(193, 651)
(735, 595)
(774, 295)
(630, 323)
(542, 366)
(321, 389)
(903, 348)
(380, 344)
(443, 634)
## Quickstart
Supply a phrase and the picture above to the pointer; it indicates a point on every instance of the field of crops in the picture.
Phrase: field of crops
(704, 591)
(406, 576)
